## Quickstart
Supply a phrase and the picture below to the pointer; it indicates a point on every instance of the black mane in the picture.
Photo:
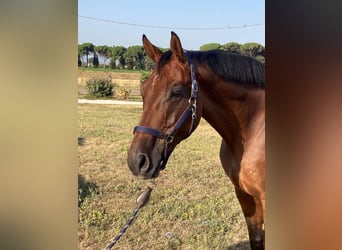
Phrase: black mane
(230, 66)
(233, 67)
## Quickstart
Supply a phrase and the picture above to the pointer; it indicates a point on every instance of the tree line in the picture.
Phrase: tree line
(134, 57)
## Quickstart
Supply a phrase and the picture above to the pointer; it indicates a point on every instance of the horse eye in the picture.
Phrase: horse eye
(176, 93)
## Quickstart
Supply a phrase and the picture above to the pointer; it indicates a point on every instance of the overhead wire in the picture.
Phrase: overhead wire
(174, 28)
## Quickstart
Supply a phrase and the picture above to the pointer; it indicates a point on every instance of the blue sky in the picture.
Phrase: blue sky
(172, 13)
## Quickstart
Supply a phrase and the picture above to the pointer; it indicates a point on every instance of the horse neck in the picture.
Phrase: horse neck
(231, 109)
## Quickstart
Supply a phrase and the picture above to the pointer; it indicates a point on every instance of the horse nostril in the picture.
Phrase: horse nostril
(144, 162)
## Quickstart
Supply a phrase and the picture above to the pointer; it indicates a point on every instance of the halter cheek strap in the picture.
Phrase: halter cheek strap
(190, 110)
(168, 137)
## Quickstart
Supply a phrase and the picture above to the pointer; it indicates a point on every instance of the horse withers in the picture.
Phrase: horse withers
(227, 90)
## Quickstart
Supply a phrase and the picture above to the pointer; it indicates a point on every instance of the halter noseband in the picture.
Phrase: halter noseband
(190, 110)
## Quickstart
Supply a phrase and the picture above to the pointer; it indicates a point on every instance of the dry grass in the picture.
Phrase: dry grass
(192, 207)
(124, 80)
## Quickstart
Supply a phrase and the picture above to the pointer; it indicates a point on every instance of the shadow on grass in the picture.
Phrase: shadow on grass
(80, 141)
(85, 189)
(243, 245)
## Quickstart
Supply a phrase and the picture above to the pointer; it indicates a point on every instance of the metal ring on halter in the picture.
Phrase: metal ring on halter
(169, 139)
(193, 110)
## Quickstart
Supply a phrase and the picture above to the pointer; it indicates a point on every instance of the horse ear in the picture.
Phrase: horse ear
(152, 51)
(176, 46)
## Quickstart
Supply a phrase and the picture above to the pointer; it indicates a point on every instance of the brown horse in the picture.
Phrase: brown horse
(227, 90)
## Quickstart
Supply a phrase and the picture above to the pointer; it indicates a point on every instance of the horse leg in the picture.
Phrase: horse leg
(253, 211)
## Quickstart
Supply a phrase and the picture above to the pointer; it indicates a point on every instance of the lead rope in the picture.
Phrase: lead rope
(141, 201)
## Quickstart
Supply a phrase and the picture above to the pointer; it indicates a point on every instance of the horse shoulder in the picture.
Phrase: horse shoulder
(252, 167)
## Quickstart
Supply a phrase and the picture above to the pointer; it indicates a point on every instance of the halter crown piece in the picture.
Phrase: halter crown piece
(191, 109)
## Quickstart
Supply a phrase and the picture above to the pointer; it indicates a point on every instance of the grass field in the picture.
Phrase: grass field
(193, 205)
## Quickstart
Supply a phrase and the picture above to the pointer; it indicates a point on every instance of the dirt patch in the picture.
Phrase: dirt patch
(120, 78)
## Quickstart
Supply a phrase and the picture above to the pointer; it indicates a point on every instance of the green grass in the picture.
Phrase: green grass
(193, 205)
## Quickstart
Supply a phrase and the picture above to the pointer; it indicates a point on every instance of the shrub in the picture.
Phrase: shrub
(99, 88)
(121, 93)
(144, 76)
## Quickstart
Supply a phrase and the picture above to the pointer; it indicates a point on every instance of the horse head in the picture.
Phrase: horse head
(171, 110)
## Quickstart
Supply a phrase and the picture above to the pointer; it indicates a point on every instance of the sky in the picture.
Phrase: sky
(196, 22)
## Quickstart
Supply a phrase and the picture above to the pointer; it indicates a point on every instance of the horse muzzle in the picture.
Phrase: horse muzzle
(145, 166)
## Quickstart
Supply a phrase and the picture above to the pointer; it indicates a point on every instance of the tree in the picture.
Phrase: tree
(81, 54)
(260, 58)
(117, 55)
(134, 57)
(252, 49)
(95, 60)
(148, 64)
(85, 49)
(104, 52)
(210, 46)
(232, 47)
(79, 62)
